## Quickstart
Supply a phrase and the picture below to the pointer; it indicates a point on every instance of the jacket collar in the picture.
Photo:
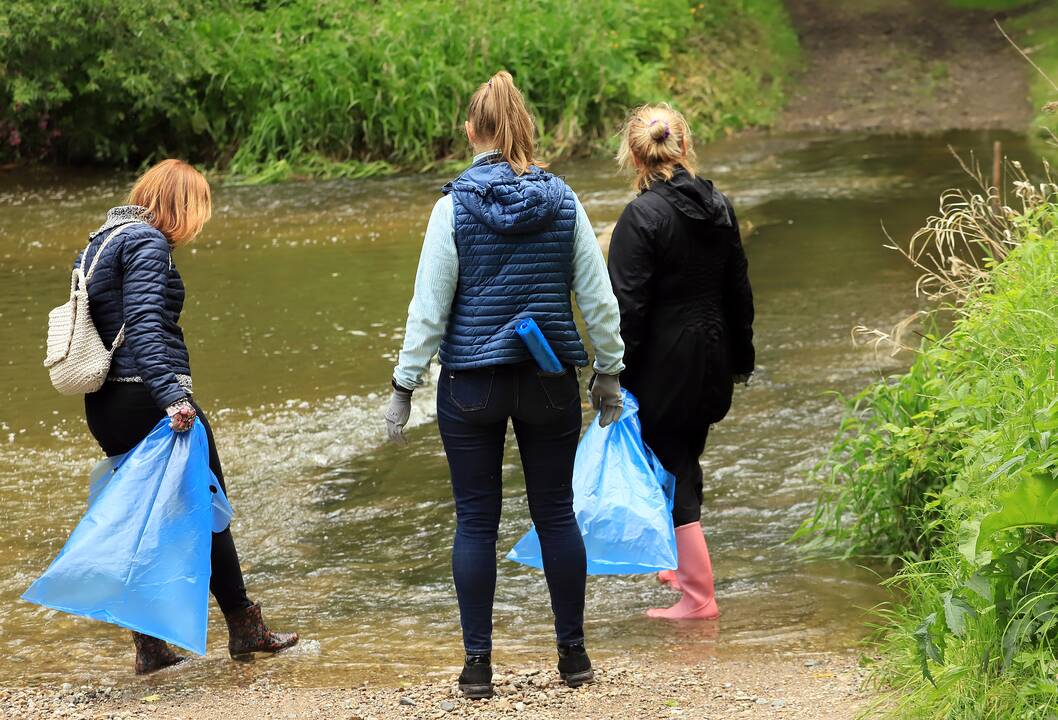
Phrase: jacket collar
(121, 215)
(480, 159)
(693, 197)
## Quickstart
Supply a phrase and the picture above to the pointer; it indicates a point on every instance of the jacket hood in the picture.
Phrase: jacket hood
(506, 203)
(694, 197)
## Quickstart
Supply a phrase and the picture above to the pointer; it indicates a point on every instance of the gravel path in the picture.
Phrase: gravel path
(816, 688)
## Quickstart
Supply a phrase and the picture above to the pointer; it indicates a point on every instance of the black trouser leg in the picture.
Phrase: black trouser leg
(225, 580)
(681, 455)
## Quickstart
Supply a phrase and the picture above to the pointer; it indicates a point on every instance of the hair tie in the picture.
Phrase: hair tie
(490, 82)
(655, 121)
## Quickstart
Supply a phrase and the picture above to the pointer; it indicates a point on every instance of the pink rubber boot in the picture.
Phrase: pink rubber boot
(695, 575)
(668, 577)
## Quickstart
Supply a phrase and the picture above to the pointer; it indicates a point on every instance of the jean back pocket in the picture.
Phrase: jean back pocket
(561, 390)
(471, 389)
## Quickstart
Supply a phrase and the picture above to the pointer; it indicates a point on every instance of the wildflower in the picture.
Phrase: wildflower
(14, 139)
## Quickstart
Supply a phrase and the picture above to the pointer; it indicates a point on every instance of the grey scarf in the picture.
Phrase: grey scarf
(122, 215)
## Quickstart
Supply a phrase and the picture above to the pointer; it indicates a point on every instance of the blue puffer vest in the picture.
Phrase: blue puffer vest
(514, 236)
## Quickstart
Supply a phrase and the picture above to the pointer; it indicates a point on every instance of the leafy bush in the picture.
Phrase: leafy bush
(952, 470)
(347, 87)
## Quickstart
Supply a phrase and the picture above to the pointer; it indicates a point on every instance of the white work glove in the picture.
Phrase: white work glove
(606, 397)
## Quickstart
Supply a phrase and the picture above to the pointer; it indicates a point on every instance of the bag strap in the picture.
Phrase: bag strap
(79, 274)
(99, 253)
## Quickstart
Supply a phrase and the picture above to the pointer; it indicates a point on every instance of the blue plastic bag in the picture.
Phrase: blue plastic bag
(139, 558)
(622, 497)
(538, 346)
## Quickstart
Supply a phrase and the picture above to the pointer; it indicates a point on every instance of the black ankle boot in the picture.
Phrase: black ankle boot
(476, 679)
(574, 666)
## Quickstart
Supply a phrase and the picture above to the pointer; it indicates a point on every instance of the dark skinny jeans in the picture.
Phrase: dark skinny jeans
(473, 408)
(119, 416)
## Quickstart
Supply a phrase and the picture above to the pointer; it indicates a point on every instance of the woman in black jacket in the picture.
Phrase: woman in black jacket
(136, 292)
(680, 276)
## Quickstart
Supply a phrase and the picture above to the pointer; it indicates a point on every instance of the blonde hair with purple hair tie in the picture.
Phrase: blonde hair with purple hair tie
(655, 141)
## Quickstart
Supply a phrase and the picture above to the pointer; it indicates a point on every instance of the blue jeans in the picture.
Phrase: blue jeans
(473, 407)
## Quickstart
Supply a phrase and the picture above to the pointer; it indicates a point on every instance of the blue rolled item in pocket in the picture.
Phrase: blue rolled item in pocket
(539, 347)
(140, 557)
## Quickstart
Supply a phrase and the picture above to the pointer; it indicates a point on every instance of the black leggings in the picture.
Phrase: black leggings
(119, 416)
(680, 453)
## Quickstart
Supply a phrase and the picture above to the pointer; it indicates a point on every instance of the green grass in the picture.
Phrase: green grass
(950, 470)
(277, 88)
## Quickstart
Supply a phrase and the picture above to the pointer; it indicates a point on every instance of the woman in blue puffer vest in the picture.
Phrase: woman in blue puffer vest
(136, 292)
(510, 241)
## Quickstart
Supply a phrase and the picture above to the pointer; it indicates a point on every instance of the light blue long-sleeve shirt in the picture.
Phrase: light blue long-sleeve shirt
(438, 276)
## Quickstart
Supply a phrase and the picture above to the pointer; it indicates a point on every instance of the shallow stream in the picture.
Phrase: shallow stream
(297, 298)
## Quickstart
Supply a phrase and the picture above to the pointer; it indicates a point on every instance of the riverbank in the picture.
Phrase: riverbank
(824, 687)
(949, 471)
(327, 88)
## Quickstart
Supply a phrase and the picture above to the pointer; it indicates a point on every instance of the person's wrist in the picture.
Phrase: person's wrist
(177, 405)
(400, 388)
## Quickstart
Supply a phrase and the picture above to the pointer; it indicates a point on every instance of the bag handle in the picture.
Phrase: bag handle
(85, 277)
(79, 275)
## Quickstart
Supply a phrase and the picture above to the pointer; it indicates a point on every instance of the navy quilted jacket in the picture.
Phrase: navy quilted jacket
(137, 283)
(514, 236)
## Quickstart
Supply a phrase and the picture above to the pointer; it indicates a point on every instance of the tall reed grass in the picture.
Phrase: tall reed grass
(951, 471)
(339, 87)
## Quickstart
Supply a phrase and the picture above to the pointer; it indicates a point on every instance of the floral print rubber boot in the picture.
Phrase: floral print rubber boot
(247, 634)
(153, 654)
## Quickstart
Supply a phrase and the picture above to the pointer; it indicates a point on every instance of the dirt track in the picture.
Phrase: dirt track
(904, 66)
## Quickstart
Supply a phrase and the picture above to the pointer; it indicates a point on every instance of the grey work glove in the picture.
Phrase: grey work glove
(606, 397)
(742, 378)
(397, 413)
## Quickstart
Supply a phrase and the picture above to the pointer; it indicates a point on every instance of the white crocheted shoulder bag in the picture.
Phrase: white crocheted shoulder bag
(77, 360)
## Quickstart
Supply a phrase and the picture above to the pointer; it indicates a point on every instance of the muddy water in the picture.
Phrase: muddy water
(297, 295)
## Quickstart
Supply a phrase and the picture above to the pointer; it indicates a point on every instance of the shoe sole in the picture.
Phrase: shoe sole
(249, 656)
(163, 668)
(575, 680)
(476, 692)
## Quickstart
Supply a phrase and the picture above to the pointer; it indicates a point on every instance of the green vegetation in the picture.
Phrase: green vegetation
(270, 88)
(951, 471)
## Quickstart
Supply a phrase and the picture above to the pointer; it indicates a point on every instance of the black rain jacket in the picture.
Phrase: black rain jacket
(681, 279)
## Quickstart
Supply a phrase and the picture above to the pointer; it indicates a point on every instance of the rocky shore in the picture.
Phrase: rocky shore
(796, 686)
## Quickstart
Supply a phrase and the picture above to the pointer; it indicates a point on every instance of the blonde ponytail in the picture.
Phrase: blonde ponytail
(498, 113)
(655, 141)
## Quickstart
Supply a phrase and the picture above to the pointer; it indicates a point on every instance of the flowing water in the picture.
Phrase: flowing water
(297, 298)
